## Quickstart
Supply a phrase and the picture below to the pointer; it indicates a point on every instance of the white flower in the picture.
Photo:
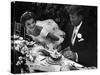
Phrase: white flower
(79, 35)
(20, 38)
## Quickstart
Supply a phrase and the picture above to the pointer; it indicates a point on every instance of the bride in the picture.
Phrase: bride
(46, 32)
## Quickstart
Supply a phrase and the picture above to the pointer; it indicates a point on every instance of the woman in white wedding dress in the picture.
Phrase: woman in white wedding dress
(46, 32)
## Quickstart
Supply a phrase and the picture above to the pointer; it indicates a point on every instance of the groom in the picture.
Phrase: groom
(83, 47)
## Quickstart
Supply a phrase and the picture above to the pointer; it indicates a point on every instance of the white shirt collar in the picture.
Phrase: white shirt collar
(77, 27)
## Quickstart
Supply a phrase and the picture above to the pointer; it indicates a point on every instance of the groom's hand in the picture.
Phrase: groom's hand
(69, 54)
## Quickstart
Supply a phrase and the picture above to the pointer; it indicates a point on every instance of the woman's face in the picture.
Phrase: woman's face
(29, 24)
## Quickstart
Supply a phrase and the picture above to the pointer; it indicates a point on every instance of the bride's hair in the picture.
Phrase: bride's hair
(26, 16)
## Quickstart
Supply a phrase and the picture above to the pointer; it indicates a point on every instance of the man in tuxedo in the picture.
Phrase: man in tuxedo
(83, 47)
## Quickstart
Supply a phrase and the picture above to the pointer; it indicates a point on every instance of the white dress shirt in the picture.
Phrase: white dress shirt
(75, 32)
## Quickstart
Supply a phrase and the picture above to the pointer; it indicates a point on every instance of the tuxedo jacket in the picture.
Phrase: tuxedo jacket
(86, 45)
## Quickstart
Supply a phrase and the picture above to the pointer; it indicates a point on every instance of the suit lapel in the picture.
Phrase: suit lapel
(79, 31)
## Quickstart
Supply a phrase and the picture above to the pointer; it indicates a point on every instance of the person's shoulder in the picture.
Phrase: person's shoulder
(46, 22)
(50, 21)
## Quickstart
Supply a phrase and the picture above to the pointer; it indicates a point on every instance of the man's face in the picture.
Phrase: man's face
(75, 19)
(29, 24)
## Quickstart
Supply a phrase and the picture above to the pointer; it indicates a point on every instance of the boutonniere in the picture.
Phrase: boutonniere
(80, 38)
